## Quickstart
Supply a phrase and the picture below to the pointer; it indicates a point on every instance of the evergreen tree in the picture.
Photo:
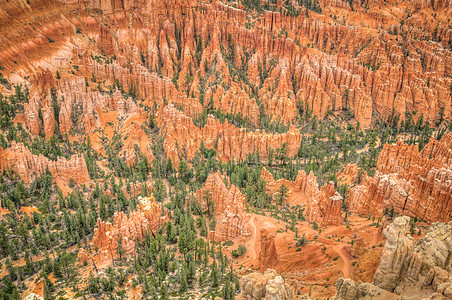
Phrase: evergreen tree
(183, 278)
(282, 194)
(214, 276)
(119, 248)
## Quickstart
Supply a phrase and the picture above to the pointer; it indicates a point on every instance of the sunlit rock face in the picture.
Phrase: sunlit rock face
(269, 285)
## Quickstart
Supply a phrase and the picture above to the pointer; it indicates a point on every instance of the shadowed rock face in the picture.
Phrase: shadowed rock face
(269, 285)
(408, 267)
(412, 182)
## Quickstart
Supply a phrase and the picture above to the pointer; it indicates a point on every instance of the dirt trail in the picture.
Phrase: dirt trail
(253, 238)
(347, 268)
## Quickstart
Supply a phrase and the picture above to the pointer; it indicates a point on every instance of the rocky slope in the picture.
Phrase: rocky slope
(408, 268)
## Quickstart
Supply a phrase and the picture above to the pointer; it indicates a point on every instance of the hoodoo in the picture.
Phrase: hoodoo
(233, 149)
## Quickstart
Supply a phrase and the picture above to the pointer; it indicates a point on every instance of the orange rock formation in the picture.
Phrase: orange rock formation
(229, 207)
(268, 255)
(323, 206)
(358, 61)
(230, 142)
(349, 175)
(414, 183)
(147, 217)
(28, 166)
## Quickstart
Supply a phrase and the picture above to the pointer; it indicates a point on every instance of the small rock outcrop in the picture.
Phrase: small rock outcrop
(33, 296)
(268, 256)
(82, 255)
(268, 286)
(358, 248)
(349, 175)
(325, 206)
(347, 289)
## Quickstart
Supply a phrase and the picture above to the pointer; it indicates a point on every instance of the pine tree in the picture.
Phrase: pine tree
(192, 272)
(163, 292)
(183, 278)
(29, 264)
(214, 274)
(119, 248)
(171, 233)
(228, 293)
(48, 288)
(282, 194)
(11, 270)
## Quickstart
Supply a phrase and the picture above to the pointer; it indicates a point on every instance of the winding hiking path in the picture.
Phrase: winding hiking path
(254, 237)
(347, 268)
